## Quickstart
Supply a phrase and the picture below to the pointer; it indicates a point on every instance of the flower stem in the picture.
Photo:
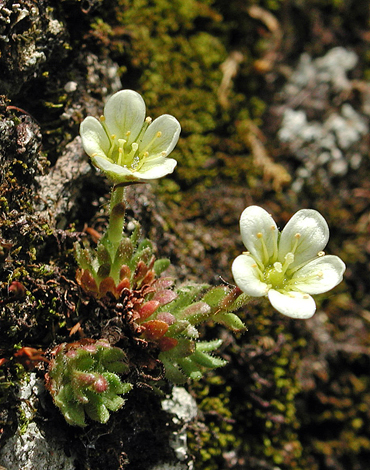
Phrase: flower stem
(113, 236)
(116, 216)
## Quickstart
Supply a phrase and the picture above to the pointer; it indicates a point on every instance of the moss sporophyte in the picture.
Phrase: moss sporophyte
(286, 267)
(127, 146)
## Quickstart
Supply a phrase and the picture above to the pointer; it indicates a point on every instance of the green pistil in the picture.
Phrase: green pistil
(275, 276)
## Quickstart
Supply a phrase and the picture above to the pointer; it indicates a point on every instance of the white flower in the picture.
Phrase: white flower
(289, 266)
(125, 145)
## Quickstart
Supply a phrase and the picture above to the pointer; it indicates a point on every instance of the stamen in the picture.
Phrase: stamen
(149, 144)
(164, 154)
(120, 156)
(276, 250)
(264, 248)
(112, 143)
(148, 120)
(305, 296)
(102, 118)
(297, 236)
(128, 133)
(320, 254)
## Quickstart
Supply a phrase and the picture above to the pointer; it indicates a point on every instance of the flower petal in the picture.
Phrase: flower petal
(319, 275)
(313, 236)
(93, 136)
(169, 129)
(246, 275)
(255, 222)
(157, 168)
(125, 112)
(292, 304)
(116, 173)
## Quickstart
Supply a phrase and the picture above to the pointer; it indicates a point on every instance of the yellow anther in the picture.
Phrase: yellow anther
(128, 133)
(273, 227)
(113, 136)
(158, 134)
(297, 235)
(259, 235)
(146, 154)
(148, 120)
(102, 118)
(306, 296)
(321, 253)
(164, 154)
(254, 265)
(320, 274)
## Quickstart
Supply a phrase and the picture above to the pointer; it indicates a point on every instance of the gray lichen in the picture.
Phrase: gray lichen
(29, 448)
(184, 409)
(325, 147)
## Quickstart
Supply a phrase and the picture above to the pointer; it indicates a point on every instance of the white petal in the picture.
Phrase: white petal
(319, 275)
(156, 168)
(94, 137)
(125, 112)
(314, 235)
(256, 221)
(169, 128)
(117, 173)
(292, 304)
(246, 275)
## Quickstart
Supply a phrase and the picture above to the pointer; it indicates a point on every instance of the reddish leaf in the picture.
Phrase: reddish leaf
(155, 329)
(165, 344)
(147, 310)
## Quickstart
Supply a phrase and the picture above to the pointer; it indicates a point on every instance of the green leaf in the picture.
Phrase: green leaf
(97, 412)
(230, 320)
(172, 373)
(74, 414)
(112, 401)
(185, 347)
(177, 328)
(160, 265)
(124, 252)
(186, 296)
(191, 369)
(240, 302)
(215, 296)
(206, 360)
(103, 255)
(143, 245)
(135, 234)
(208, 346)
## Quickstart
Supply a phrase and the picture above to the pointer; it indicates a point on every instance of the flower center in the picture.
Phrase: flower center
(275, 274)
(130, 155)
